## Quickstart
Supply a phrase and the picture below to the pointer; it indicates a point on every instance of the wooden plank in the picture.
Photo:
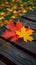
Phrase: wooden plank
(5, 60)
(14, 54)
(31, 15)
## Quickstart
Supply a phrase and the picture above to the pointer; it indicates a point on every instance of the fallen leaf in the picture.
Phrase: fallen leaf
(25, 34)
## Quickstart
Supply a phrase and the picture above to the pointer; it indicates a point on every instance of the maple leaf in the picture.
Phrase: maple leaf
(13, 28)
(25, 34)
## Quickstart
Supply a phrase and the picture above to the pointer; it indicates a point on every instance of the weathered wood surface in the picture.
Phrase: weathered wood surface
(14, 54)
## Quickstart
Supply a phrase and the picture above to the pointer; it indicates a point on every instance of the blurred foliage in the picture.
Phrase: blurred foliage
(11, 9)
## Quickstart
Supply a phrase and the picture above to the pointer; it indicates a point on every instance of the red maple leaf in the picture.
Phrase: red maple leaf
(13, 28)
